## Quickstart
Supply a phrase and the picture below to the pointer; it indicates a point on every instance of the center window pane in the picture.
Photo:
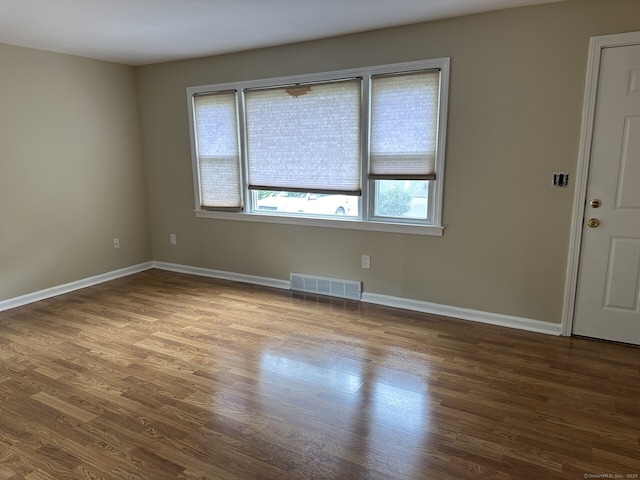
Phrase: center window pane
(305, 137)
(306, 203)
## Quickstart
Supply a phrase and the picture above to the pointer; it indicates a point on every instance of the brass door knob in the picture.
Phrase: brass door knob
(593, 222)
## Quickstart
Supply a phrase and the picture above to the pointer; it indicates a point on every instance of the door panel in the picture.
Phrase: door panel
(628, 190)
(621, 288)
(608, 294)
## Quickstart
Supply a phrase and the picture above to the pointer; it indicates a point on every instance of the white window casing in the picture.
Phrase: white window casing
(349, 132)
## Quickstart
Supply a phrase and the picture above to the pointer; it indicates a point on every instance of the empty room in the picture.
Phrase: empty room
(355, 239)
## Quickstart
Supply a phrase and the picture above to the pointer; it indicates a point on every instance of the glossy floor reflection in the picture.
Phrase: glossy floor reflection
(367, 417)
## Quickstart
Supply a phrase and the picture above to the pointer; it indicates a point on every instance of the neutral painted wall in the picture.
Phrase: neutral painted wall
(71, 172)
(517, 83)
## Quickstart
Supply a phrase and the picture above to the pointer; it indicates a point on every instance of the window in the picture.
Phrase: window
(217, 150)
(304, 138)
(360, 148)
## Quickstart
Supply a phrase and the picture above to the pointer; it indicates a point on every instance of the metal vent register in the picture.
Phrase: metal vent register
(334, 287)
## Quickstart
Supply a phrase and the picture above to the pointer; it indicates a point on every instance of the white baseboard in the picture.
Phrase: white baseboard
(223, 275)
(389, 301)
(70, 287)
(464, 314)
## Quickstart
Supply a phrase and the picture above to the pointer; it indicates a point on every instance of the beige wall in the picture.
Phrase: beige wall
(517, 82)
(71, 175)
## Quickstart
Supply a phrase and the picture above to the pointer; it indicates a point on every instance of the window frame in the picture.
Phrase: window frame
(366, 219)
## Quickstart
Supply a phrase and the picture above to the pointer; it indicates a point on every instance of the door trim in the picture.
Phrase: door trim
(596, 45)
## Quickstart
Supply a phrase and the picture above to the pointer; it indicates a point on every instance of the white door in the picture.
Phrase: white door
(608, 289)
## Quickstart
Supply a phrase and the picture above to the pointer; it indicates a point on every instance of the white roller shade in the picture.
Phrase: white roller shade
(404, 125)
(218, 154)
(305, 137)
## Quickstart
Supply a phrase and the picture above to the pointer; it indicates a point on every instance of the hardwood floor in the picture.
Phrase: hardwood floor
(167, 376)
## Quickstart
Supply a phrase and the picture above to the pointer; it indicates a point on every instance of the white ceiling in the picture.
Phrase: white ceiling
(138, 32)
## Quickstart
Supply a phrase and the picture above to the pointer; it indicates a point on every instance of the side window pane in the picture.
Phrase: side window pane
(217, 150)
(404, 125)
(408, 199)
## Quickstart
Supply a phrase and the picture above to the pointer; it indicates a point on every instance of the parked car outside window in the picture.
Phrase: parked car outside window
(321, 204)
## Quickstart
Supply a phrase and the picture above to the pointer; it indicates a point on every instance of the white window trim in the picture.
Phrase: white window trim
(366, 222)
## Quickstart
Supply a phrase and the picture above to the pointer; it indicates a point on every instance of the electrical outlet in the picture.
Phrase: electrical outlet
(366, 261)
(173, 240)
(116, 243)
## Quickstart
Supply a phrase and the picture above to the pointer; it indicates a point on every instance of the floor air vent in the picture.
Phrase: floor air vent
(334, 287)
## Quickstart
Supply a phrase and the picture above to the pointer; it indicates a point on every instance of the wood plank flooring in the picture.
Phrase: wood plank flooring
(167, 376)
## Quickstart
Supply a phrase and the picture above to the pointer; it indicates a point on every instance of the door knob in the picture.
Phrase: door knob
(596, 203)
(593, 222)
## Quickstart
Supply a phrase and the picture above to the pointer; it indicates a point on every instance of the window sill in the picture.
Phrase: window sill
(345, 223)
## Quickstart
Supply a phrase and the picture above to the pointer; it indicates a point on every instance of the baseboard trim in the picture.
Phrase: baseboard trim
(385, 300)
(374, 298)
(72, 286)
(497, 319)
(224, 275)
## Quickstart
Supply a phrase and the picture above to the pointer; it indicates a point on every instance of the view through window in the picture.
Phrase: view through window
(362, 145)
